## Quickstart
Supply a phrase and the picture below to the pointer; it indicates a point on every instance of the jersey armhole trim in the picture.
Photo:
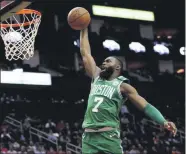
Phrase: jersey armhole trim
(119, 91)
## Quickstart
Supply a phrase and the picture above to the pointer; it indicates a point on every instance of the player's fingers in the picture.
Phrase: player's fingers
(173, 124)
(175, 132)
(168, 126)
(173, 127)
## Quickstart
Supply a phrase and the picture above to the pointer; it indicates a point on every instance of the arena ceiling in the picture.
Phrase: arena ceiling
(169, 13)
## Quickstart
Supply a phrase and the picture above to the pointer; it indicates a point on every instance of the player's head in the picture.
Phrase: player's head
(110, 66)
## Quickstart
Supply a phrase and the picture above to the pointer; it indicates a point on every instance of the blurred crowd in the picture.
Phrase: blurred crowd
(137, 136)
(16, 141)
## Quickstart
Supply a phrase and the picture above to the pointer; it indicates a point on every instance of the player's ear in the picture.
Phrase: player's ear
(118, 67)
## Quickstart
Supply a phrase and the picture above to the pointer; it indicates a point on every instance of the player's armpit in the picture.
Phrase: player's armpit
(133, 96)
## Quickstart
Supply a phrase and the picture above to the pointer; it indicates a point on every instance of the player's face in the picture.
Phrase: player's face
(108, 67)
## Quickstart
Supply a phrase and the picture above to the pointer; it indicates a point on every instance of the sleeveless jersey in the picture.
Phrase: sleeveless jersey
(104, 103)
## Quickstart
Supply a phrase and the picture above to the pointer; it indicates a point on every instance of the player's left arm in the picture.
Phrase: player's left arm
(146, 107)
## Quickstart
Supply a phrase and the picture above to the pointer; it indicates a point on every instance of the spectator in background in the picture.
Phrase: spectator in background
(175, 151)
(167, 150)
(66, 128)
(5, 137)
(136, 141)
(51, 136)
(26, 128)
(3, 149)
(134, 150)
(76, 127)
(124, 110)
(16, 145)
(12, 99)
(145, 152)
(26, 124)
(50, 125)
(60, 150)
(40, 149)
(18, 98)
(156, 140)
(15, 66)
(124, 120)
(11, 150)
(30, 151)
(2, 99)
(68, 152)
(154, 150)
(23, 150)
(60, 126)
(7, 101)
(22, 137)
(32, 146)
(68, 139)
(126, 152)
(51, 151)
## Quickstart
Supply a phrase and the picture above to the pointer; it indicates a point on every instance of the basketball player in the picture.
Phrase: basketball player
(109, 90)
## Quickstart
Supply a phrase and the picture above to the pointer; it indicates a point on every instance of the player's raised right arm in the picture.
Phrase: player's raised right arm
(88, 61)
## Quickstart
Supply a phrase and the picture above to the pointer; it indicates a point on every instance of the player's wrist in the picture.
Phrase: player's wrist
(165, 123)
(154, 114)
(84, 31)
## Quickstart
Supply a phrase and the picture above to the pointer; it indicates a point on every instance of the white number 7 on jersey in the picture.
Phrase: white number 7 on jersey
(98, 100)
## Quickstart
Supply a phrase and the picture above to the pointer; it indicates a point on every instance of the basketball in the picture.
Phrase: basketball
(78, 18)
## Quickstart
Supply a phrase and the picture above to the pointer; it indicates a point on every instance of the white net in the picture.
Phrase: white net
(18, 33)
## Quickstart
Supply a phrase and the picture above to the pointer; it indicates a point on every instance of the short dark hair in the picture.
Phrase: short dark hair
(120, 63)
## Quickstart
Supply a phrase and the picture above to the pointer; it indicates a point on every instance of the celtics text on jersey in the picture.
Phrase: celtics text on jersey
(104, 103)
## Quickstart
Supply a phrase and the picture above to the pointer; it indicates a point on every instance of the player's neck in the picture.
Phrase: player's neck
(112, 77)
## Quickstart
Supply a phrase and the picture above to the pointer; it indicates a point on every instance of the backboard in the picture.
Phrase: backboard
(10, 7)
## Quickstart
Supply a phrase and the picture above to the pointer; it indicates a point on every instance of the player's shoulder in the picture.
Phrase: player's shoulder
(123, 79)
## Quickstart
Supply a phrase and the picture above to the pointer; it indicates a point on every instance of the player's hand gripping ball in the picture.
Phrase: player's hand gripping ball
(78, 18)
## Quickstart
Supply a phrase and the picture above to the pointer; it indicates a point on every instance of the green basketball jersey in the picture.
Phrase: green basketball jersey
(104, 103)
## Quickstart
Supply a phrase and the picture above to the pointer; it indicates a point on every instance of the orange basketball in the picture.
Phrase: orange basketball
(78, 18)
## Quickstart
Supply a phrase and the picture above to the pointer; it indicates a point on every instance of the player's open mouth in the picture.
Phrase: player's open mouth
(103, 68)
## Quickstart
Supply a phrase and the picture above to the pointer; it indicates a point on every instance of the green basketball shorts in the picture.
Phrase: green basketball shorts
(107, 142)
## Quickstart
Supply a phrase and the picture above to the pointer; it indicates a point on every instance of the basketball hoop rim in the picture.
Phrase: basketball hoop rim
(24, 11)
